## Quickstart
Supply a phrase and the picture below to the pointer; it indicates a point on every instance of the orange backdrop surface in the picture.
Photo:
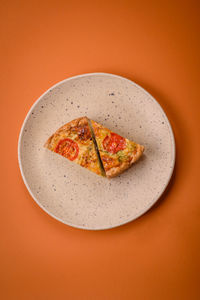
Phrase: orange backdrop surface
(157, 45)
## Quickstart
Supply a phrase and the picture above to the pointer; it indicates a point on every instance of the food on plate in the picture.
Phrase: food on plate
(116, 152)
(74, 141)
(94, 147)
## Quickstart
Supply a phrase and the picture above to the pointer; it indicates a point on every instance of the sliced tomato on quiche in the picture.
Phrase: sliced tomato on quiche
(74, 141)
(116, 152)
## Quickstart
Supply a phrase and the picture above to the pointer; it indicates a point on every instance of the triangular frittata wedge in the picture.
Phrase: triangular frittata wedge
(117, 153)
(75, 142)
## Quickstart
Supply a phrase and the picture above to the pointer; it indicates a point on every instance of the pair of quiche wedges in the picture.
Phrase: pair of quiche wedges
(94, 147)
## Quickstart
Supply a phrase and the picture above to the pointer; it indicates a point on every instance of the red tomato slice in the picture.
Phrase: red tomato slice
(67, 148)
(114, 143)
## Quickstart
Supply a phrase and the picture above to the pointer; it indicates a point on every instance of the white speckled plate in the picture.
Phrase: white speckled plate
(72, 194)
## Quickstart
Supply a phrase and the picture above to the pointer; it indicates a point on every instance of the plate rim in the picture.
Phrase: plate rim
(20, 143)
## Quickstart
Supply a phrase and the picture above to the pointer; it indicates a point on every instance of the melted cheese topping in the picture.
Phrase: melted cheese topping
(111, 160)
(87, 156)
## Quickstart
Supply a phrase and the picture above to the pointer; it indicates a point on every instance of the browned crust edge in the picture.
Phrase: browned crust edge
(113, 172)
(66, 127)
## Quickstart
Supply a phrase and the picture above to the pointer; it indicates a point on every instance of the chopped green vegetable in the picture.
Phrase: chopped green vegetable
(121, 155)
(131, 146)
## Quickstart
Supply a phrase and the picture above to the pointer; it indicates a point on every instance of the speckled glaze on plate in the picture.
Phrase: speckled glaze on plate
(72, 194)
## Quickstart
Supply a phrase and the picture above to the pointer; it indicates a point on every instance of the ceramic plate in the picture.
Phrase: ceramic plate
(72, 194)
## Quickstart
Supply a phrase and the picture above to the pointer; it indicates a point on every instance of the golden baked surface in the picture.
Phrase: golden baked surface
(74, 141)
(117, 153)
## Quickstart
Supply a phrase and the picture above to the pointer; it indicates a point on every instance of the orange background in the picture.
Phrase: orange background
(154, 43)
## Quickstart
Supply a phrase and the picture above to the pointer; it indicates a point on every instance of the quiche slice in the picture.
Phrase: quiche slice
(74, 141)
(117, 153)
